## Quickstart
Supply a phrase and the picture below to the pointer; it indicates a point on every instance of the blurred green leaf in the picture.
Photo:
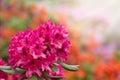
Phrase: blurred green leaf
(17, 23)
(88, 67)
(117, 55)
(34, 78)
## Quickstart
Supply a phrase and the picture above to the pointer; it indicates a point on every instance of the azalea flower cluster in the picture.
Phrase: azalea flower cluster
(38, 51)
(108, 70)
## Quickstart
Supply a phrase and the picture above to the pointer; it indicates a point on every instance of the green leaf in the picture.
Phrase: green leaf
(69, 67)
(55, 68)
(12, 71)
(55, 77)
(8, 69)
(5, 67)
(33, 78)
(20, 70)
(50, 76)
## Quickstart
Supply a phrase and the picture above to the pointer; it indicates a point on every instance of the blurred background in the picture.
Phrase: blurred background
(93, 26)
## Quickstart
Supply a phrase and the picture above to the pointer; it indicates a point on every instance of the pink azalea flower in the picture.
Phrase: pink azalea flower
(3, 75)
(37, 50)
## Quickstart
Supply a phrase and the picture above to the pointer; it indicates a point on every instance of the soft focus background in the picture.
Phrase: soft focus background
(93, 26)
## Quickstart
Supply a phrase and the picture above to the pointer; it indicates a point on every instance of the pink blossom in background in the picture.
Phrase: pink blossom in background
(106, 50)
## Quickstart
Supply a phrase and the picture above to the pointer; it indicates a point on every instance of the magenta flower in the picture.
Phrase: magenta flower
(38, 50)
(2, 63)
(3, 75)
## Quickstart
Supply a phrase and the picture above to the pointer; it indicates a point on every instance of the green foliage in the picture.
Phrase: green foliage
(17, 23)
